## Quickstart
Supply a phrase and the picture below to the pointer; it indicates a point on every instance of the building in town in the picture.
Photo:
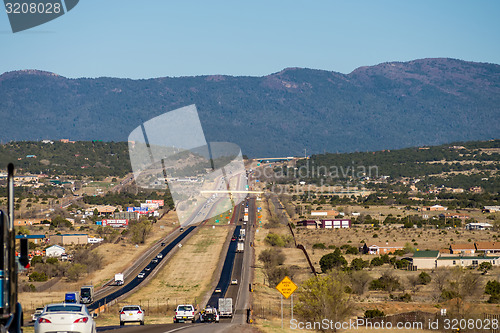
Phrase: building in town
(55, 251)
(68, 239)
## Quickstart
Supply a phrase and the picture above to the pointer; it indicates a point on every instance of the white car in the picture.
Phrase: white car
(64, 317)
(37, 313)
(141, 275)
(234, 281)
(159, 256)
(131, 314)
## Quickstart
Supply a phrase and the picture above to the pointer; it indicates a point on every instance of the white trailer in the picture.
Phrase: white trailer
(119, 281)
(226, 307)
(241, 247)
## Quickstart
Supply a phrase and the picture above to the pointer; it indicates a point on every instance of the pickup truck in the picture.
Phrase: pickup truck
(184, 313)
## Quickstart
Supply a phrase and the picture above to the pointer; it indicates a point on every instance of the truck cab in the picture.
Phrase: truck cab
(71, 297)
(86, 294)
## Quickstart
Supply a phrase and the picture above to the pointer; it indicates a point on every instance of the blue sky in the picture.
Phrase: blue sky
(153, 38)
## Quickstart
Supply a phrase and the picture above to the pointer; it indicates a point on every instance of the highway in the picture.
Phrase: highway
(135, 280)
(236, 266)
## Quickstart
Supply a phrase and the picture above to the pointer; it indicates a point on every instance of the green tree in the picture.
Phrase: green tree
(332, 260)
(140, 231)
(485, 266)
(324, 296)
(76, 271)
(358, 264)
(492, 288)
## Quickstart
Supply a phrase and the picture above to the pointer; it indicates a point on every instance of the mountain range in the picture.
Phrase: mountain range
(387, 106)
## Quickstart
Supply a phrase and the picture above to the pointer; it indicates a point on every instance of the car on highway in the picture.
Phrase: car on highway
(233, 238)
(184, 312)
(131, 314)
(159, 256)
(37, 313)
(218, 290)
(141, 275)
(181, 229)
(63, 317)
(234, 281)
(163, 244)
(154, 261)
(147, 268)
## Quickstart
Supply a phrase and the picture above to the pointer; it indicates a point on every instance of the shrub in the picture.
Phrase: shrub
(374, 313)
(36, 259)
(377, 262)
(38, 277)
(386, 282)
(448, 294)
(52, 261)
(351, 250)
(424, 278)
(272, 257)
(274, 240)
(358, 264)
(321, 246)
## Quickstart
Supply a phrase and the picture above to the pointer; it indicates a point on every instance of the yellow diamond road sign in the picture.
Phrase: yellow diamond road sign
(286, 287)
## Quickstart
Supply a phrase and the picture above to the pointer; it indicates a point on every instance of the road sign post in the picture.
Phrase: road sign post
(286, 287)
(281, 311)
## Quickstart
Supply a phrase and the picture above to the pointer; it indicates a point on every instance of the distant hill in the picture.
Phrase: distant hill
(388, 106)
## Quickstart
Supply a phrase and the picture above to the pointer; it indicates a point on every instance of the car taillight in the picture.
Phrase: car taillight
(139, 312)
(193, 313)
(176, 313)
(123, 312)
(81, 320)
(43, 320)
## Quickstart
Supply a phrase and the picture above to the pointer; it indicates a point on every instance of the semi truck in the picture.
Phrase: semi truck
(240, 247)
(119, 279)
(226, 307)
(11, 311)
(87, 294)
